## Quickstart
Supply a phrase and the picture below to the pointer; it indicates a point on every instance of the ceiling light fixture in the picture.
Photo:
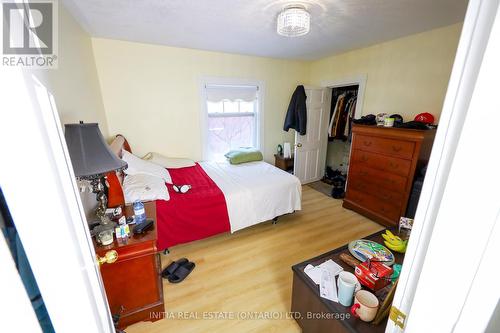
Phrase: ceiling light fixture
(294, 21)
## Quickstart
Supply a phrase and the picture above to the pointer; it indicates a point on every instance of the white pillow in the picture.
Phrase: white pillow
(168, 162)
(137, 166)
(144, 187)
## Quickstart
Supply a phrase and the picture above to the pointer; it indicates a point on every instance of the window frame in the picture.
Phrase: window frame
(259, 112)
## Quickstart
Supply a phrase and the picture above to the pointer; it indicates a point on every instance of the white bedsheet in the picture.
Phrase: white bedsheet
(255, 192)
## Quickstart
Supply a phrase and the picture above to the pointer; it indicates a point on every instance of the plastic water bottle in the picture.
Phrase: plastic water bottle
(139, 212)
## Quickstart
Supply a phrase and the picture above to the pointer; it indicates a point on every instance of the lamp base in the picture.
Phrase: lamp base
(98, 188)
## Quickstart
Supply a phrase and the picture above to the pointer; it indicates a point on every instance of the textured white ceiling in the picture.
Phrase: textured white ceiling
(249, 26)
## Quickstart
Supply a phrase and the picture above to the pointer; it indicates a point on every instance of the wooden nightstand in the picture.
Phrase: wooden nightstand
(133, 283)
(283, 163)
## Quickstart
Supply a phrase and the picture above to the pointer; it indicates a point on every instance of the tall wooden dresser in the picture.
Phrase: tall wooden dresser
(381, 170)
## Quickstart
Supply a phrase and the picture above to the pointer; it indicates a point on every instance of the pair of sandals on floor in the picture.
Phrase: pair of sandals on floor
(178, 270)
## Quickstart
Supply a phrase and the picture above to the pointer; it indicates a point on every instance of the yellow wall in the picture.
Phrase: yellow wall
(407, 75)
(151, 93)
(74, 84)
(152, 89)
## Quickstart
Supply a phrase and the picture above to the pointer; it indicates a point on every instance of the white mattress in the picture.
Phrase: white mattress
(255, 192)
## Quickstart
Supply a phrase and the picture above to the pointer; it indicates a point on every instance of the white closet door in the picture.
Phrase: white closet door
(40, 189)
(310, 149)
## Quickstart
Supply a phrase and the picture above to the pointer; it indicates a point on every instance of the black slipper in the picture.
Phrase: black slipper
(181, 273)
(172, 267)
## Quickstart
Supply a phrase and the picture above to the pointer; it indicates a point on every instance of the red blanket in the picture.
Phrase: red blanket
(197, 214)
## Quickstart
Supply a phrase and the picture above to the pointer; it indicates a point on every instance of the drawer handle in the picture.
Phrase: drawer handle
(397, 149)
(364, 158)
(109, 258)
(367, 143)
(393, 165)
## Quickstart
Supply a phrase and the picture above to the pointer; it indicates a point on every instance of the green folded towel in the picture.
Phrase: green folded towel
(243, 155)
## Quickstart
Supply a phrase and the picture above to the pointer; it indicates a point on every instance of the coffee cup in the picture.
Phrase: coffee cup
(365, 305)
(348, 284)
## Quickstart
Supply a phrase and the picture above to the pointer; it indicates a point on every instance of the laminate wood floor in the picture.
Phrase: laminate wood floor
(243, 281)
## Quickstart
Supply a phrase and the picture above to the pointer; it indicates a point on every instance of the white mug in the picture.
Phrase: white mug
(348, 284)
(365, 306)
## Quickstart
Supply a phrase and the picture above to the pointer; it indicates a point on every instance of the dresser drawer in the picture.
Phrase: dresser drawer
(132, 284)
(383, 179)
(398, 148)
(367, 187)
(374, 204)
(393, 165)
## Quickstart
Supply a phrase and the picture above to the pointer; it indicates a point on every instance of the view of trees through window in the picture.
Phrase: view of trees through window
(231, 124)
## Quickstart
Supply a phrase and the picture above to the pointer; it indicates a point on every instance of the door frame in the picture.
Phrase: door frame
(418, 280)
(360, 80)
(40, 189)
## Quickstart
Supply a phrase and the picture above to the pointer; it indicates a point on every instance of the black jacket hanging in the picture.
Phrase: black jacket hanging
(296, 116)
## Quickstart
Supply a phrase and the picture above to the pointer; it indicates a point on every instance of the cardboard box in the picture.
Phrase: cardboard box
(373, 275)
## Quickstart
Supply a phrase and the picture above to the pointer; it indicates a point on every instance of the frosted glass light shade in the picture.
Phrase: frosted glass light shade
(293, 21)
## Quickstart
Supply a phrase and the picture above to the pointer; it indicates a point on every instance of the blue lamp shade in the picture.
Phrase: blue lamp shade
(90, 154)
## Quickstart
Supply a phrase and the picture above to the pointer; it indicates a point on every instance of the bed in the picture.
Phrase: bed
(223, 198)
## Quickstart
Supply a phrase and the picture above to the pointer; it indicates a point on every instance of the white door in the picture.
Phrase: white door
(310, 149)
(21, 317)
(448, 217)
(39, 185)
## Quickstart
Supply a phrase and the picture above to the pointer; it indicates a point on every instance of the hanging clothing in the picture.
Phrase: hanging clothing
(334, 113)
(350, 117)
(338, 115)
(343, 113)
(296, 116)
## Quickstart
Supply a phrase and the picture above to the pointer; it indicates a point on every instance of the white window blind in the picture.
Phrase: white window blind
(218, 93)
(232, 112)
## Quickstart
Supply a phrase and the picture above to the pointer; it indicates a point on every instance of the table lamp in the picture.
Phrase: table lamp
(92, 159)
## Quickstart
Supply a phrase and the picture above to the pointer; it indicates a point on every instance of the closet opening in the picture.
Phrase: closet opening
(344, 106)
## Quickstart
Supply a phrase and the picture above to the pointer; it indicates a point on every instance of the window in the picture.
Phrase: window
(232, 113)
